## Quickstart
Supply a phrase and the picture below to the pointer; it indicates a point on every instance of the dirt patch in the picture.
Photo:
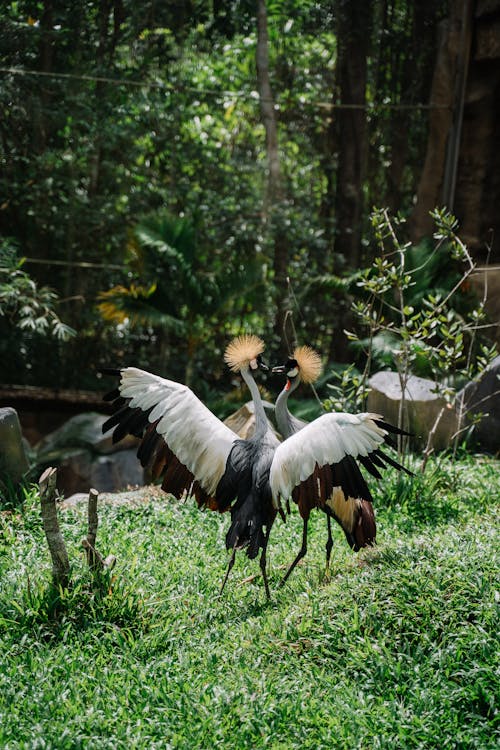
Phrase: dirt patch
(131, 497)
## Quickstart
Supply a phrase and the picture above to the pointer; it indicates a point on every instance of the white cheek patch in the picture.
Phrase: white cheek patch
(293, 373)
(254, 365)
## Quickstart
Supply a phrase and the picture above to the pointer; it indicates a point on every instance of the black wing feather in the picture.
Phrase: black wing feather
(392, 462)
(369, 465)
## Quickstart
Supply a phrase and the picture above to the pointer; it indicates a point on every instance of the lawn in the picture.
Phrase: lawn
(398, 649)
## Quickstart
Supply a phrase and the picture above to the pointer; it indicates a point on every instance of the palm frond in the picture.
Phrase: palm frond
(139, 305)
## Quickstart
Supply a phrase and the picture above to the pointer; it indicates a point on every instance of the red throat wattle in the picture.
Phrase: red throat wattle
(288, 385)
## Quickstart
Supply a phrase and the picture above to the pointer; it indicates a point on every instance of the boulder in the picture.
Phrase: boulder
(81, 431)
(485, 282)
(73, 471)
(421, 409)
(80, 470)
(13, 458)
(242, 422)
(86, 458)
(483, 396)
(110, 473)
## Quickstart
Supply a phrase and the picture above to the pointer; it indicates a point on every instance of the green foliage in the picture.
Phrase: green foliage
(119, 112)
(14, 494)
(182, 286)
(348, 391)
(179, 287)
(29, 322)
(26, 306)
(413, 307)
(398, 649)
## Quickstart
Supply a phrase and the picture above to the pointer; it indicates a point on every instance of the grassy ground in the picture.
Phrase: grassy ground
(398, 650)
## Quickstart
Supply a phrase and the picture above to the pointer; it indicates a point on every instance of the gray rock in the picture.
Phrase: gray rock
(86, 458)
(116, 472)
(242, 422)
(483, 397)
(485, 282)
(13, 458)
(421, 409)
(81, 431)
(73, 471)
(79, 470)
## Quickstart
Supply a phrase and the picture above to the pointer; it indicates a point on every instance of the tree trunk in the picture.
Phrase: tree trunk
(353, 34)
(478, 171)
(274, 194)
(42, 102)
(430, 188)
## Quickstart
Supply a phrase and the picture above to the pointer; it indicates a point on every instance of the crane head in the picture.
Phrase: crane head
(245, 352)
(304, 363)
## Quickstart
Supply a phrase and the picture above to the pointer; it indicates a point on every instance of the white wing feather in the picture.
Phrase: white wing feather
(325, 441)
(196, 436)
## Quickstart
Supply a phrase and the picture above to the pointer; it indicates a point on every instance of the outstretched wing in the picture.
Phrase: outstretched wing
(181, 440)
(324, 454)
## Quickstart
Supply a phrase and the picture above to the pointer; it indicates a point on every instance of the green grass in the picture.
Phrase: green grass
(399, 649)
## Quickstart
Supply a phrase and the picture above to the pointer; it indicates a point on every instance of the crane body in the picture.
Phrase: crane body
(317, 464)
(193, 452)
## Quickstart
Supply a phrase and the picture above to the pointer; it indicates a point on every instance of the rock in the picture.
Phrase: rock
(485, 282)
(242, 422)
(421, 409)
(82, 430)
(79, 470)
(86, 458)
(117, 472)
(133, 498)
(73, 471)
(13, 458)
(483, 397)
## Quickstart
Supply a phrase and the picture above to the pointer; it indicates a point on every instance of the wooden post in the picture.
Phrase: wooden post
(94, 558)
(57, 548)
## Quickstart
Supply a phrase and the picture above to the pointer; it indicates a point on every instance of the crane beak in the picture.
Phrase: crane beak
(279, 369)
(263, 366)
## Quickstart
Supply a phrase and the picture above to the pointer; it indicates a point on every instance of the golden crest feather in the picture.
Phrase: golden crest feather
(309, 363)
(240, 352)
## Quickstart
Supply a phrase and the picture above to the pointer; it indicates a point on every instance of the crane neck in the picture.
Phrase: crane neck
(281, 411)
(260, 414)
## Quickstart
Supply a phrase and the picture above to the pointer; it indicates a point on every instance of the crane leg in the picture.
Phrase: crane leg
(263, 560)
(302, 552)
(229, 568)
(329, 545)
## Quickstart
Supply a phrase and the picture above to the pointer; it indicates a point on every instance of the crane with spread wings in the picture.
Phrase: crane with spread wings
(186, 446)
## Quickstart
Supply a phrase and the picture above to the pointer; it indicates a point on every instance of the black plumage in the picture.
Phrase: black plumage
(237, 480)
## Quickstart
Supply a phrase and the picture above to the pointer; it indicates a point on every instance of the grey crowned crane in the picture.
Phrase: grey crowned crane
(192, 451)
(317, 464)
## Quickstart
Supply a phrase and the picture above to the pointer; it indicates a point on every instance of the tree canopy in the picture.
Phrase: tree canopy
(175, 172)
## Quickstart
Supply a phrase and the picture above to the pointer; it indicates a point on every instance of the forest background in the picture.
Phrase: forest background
(180, 172)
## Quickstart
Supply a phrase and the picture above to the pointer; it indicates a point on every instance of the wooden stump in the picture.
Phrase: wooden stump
(55, 541)
(57, 548)
(94, 558)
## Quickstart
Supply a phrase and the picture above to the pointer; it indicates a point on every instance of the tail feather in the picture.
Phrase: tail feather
(365, 531)
(384, 457)
(247, 527)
